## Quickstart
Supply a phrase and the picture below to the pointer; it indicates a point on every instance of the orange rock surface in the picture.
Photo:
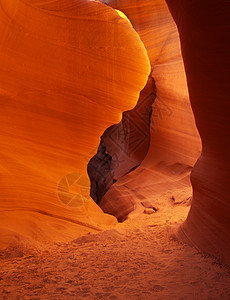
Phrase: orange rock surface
(174, 143)
(67, 71)
(204, 30)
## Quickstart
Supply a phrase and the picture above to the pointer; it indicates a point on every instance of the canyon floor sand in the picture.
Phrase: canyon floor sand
(135, 260)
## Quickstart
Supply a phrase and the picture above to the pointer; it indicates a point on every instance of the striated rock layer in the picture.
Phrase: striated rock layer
(123, 146)
(67, 71)
(174, 140)
(204, 28)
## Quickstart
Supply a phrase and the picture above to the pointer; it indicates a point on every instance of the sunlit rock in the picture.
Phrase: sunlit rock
(68, 69)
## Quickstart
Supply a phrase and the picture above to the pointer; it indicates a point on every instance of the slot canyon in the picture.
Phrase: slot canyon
(114, 149)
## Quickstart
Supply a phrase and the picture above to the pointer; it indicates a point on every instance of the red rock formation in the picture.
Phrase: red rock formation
(67, 71)
(174, 143)
(204, 28)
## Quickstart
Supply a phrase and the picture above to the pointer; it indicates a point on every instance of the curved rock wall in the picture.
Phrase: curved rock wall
(123, 146)
(204, 29)
(67, 71)
(174, 140)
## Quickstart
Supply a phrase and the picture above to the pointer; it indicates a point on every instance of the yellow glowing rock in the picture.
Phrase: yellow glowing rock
(67, 71)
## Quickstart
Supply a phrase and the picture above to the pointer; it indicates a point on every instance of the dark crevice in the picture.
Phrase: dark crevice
(123, 146)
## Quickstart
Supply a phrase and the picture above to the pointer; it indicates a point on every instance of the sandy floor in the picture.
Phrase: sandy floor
(136, 260)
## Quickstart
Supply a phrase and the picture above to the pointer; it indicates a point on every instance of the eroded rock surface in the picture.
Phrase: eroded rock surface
(123, 146)
(204, 32)
(64, 67)
(174, 140)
